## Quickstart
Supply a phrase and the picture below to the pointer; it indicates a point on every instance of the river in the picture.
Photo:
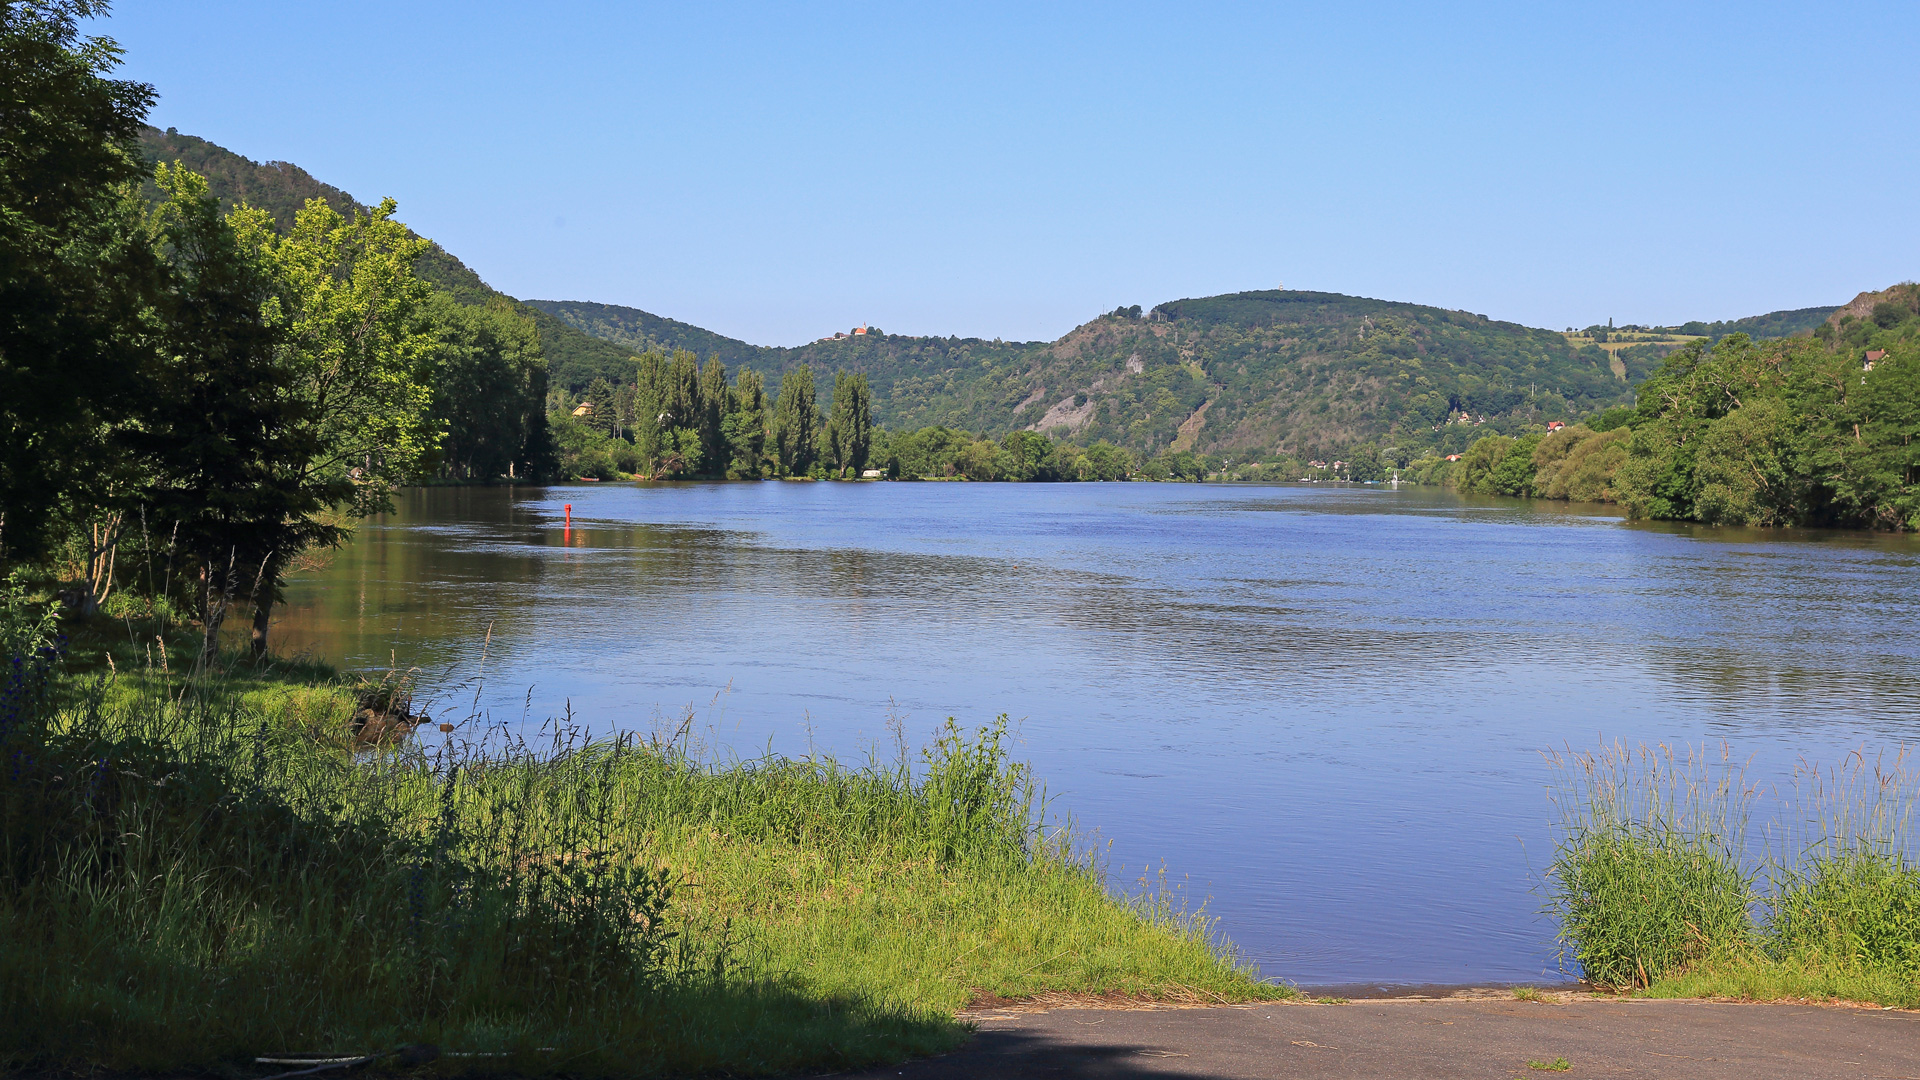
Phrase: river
(1320, 710)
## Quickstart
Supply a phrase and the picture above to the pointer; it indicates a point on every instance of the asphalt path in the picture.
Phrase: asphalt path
(1469, 1039)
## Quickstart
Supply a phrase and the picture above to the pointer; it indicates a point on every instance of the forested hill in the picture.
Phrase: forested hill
(1296, 372)
(1774, 324)
(640, 331)
(282, 188)
(1307, 372)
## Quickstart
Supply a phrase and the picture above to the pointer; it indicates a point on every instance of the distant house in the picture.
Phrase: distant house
(1555, 425)
(585, 409)
(1874, 355)
(1316, 464)
(860, 330)
(1453, 457)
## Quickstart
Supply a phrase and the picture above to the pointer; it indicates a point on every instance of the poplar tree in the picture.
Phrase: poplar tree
(849, 433)
(650, 411)
(745, 426)
(682, 449)
(713, 411)
(796, 422)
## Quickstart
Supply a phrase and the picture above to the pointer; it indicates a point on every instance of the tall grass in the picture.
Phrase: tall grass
(192, 874)
(1648, 875)
(1658, 887)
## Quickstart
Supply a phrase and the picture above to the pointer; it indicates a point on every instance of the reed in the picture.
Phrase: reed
(1659, 888)
(195, 873)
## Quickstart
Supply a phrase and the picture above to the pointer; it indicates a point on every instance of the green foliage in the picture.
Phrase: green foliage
(847, 439)
(792, 436)
(27, 624)
(490, 389)
(1105, 461)
(1579, 463)
(1029, 455)
(192, 873)
(75, 273)
(745, 427)
(1783, 433)
(1855, 907)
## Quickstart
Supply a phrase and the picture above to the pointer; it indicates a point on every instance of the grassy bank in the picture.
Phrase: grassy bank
(199, 871)
(1661, 890)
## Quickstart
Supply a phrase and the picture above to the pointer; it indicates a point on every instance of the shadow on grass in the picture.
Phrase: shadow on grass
(146, 1022)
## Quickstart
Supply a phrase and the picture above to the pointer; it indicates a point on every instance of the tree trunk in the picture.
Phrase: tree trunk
(216, 614)
(265, 589)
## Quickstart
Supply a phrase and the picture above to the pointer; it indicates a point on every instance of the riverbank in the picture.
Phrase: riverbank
(208, 868)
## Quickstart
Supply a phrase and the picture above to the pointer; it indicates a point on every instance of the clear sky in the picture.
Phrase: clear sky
(777, 172)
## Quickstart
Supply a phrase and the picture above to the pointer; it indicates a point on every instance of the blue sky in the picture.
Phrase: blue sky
(776, 172)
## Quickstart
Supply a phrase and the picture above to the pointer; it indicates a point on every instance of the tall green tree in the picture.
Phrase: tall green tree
(713, 411)
(745, 426)
(76, 271)
(490, 390)
(796, 420)
(651, 436)
(605, 417)
(1028, 455)
(849, 431)
(683, 452)
(229, 437)
(348, 307)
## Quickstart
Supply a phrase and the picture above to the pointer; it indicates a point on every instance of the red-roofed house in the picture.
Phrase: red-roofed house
(1872, 356)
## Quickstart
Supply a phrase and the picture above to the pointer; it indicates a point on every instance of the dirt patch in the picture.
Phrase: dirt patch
(1190, 428)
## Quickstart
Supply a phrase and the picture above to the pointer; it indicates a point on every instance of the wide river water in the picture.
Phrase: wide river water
(1322, 710)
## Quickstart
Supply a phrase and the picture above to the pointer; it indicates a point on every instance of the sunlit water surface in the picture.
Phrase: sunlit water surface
(1322, 709)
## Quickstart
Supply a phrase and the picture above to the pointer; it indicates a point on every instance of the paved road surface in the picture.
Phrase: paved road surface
(1479, 1039)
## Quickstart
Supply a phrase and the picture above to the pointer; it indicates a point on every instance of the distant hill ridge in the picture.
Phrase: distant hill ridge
(1244, 373)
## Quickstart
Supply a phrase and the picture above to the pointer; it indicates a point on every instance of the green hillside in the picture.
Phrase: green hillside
(1257, 372)
(1774, 324)
(281, 189)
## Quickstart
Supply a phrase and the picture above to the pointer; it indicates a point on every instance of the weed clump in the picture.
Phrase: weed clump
(1647, 877)
(1658, 889)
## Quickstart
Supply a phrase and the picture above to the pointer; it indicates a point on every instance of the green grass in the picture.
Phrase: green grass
(1558, 1064)
(197, 872)
(1658, 893)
